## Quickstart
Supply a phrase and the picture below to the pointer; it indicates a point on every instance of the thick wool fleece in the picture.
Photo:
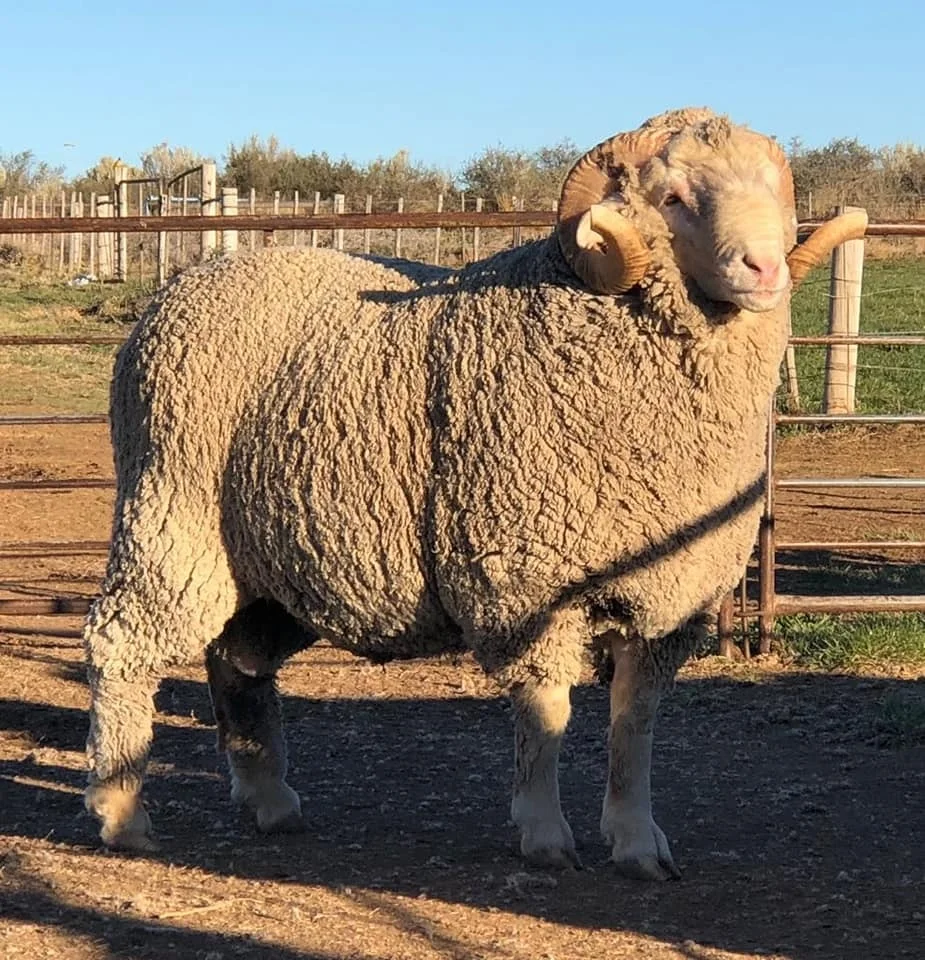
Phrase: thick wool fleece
(412, 460)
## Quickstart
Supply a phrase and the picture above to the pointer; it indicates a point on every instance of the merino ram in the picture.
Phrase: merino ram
(551, 456)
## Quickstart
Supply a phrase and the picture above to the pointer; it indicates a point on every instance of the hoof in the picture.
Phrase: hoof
(274, 804)
(640, 850)
(130, 840)
(125, 822)
(550, 846)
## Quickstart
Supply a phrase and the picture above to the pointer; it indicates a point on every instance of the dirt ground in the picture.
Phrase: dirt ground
(795, 811)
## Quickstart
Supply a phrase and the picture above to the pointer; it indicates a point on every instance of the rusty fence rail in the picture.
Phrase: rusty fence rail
(735, 606)
(772, 604)
(351, 221)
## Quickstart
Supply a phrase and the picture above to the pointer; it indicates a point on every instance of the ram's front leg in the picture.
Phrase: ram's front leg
(641, 673)
(541, 714)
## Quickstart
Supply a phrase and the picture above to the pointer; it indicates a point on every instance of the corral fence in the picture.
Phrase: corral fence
(738, 606)
(107, 253)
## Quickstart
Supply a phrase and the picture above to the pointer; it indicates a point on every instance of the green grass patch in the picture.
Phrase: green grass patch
(62, 379)
(889, 379)
(854, 642)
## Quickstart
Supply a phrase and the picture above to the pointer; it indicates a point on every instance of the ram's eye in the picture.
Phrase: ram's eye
(671, 200)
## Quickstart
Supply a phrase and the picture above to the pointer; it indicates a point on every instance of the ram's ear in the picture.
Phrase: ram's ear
(810, 253)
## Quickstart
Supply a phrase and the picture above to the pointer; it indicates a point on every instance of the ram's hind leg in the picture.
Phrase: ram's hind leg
(120, 734)
(242, 666)
(165, 597)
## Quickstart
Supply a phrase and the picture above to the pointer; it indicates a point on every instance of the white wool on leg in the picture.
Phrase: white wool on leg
(541, 716)
(638, 845)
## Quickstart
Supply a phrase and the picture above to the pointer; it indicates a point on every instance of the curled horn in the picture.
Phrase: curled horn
(846, 226)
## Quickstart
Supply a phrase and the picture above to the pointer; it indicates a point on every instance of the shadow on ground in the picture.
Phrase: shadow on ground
(799, 832)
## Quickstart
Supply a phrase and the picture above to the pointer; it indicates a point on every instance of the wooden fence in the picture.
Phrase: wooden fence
(105, 253)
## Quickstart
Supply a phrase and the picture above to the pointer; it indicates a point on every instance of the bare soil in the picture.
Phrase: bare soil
(796, 814)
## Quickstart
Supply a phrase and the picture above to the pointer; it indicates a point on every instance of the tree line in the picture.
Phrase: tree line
(889, 181)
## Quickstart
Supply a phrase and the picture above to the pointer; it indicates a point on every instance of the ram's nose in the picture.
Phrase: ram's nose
(765, 268)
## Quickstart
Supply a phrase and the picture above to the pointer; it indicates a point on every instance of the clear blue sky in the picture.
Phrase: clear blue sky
(446, 80)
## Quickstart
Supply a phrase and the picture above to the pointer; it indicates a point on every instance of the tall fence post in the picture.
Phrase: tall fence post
(229, 209)
(437, 231)
(61, 238)
(476, 231)
(296, 236)
(401, 209)
(767, 587)
(75, 240)
(106, 242)
(121, 176)
(316, 209)
(462, 231)
(94, 241)
(841, 362)
(725, 625)
(207, 207)
(791, 383)
(367, 234)
(252, 208)
(163, 245)
(517, 233)
(339, 202)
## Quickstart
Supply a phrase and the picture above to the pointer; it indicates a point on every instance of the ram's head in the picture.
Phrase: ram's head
(726, 195)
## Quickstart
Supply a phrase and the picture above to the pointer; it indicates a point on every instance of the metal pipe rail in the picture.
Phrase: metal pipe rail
(855, 418)
(351, 221)
(270, 222)
(806, 483)
(780, 545)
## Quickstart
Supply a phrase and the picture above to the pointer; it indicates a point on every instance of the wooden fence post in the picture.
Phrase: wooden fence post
(725, 625)
(184, 209)
(339, 201)
(517, 232)
(366, 233)
(207, 208)
(229, 209)
(275, 203)
(121, 176)
(74, 239)
(437, 231)
(844, 320)
(401, 209)
(105, 243)
(316, 209)
(163, 245)
(61, 238)
(476, 231)
(462, 232)
(791, 383)
(46, 239)
(94, 240)
(296, 238)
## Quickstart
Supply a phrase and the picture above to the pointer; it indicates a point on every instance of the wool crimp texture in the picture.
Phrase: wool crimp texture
(411, 460)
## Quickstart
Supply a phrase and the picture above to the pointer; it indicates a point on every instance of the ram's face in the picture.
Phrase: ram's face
(729, 215)
(726, 194)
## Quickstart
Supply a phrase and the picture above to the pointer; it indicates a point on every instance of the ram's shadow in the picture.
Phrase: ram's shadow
(837, 572)
(790, 804)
